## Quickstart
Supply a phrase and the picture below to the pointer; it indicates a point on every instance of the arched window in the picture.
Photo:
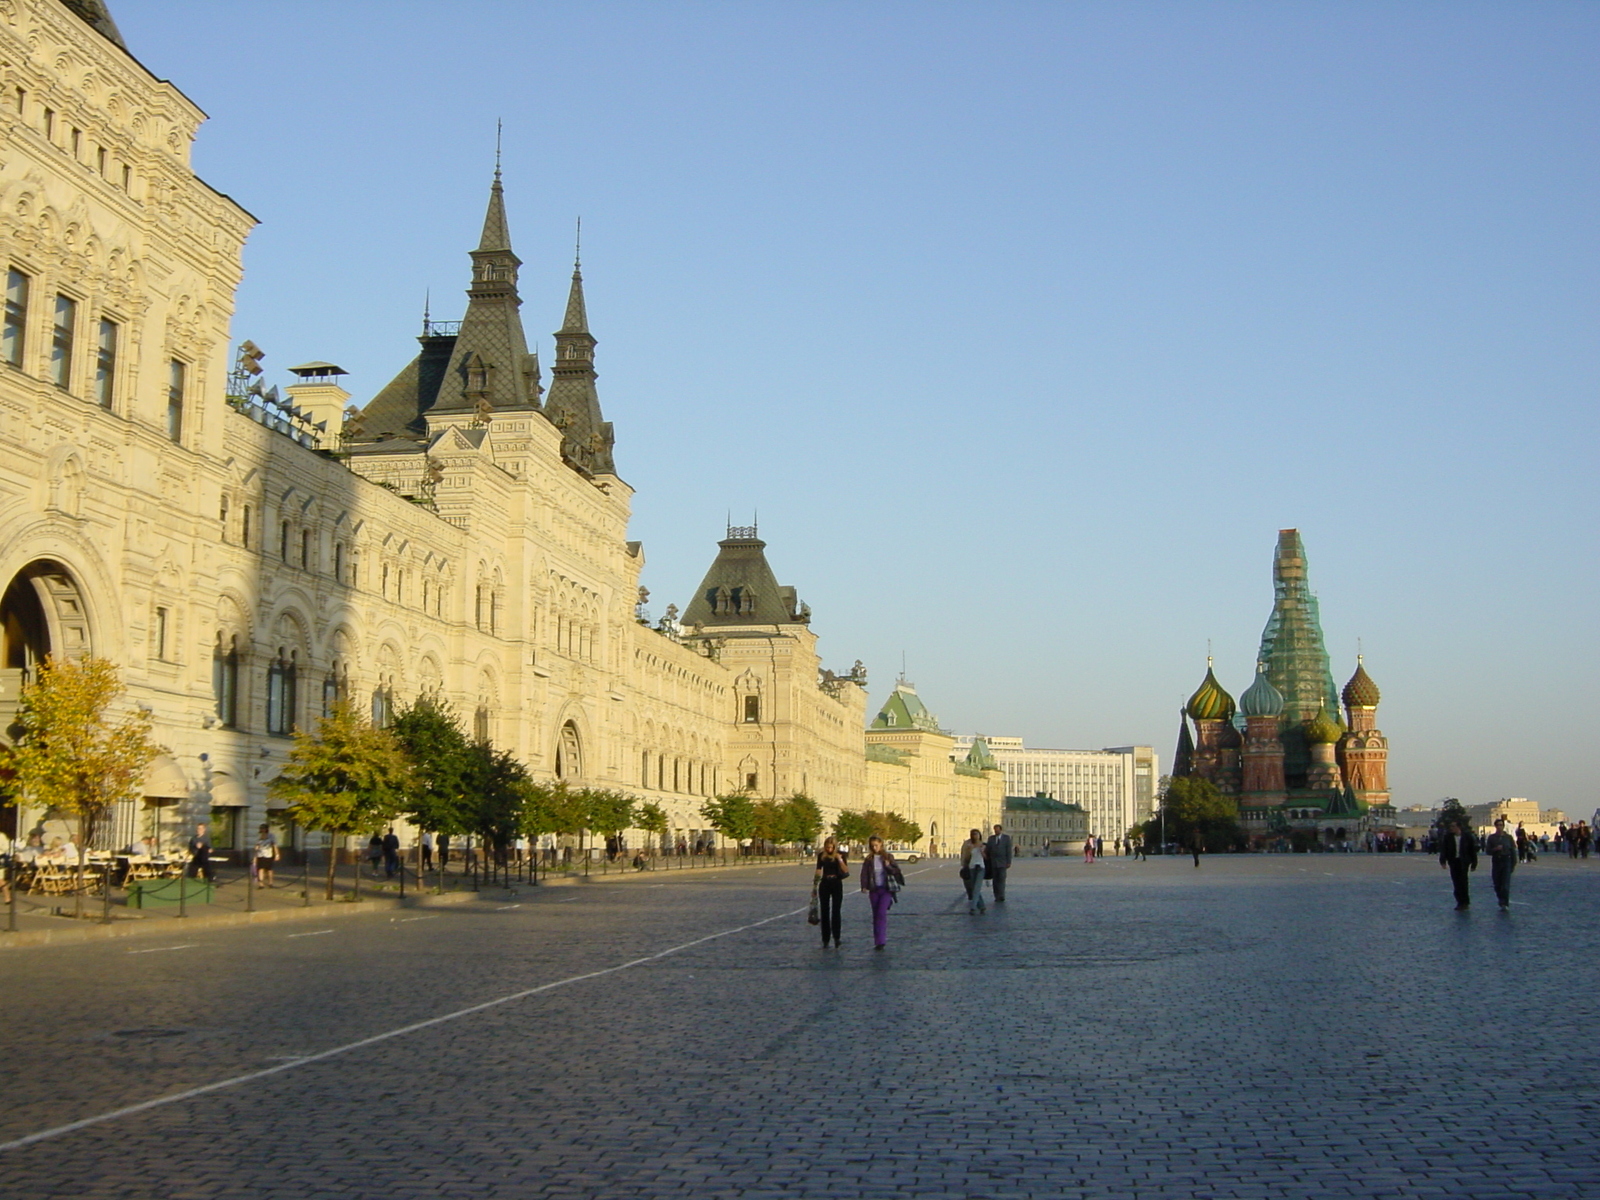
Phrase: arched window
(644, 769)
(480, 723)
(225, 679)
(335, 686)
(382, 706)
(281, 680)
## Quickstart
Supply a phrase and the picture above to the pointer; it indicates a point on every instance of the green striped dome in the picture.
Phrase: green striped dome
(1210, 702)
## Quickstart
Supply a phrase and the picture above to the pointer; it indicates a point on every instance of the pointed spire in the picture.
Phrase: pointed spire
(577, 318)
(496, 234)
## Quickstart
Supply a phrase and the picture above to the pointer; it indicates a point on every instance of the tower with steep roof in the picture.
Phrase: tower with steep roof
(1261, 785)
(1216, 742)
(470, 371)
(1297, 660)
(1364, 751)
(573, 405)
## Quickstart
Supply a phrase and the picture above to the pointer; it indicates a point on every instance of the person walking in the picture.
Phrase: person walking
(1524, 850)
(427, 852)
(1088, 849)
(266, 855)
(1194, 846)
(200, 853)
(832, 870)
(974, 855)
(881, 879)
(391, 853)
(998, 862)
(1458, 852)
(1502, 850)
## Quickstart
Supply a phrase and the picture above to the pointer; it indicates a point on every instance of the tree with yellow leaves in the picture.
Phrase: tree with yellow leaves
(75, 757)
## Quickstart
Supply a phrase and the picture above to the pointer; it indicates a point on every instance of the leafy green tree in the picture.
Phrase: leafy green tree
(610, 811)
(74, 756)
(443, 765)
(500, 793)
(732, 815)
(652, 818)
(801, 822)
(1196, 812)
(852, 828)
(346, 778)
(1453, 812)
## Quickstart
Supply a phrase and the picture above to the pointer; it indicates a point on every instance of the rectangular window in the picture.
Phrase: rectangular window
(752, 710)
(338, 562)
(50, 124)
(100, 159)
(127, 178)
(105, 365)
(283, 541)
(76, 142)
(61, 337)
(305, 549)
(22, 100)
(177, 376)
(244, 528)
(161, 634)
(14, 337)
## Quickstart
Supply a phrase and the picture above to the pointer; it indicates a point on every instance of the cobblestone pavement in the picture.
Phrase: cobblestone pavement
(1294, 1026)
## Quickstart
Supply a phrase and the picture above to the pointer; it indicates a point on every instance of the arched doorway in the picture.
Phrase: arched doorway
(41, 613)
(569, 753)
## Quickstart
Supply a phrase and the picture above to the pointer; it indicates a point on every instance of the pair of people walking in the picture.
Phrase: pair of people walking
(881, 879)
(1458, 853)
(982, 860)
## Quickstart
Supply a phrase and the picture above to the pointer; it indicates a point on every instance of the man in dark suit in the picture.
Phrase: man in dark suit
(1502, 850)
(1458, 850)
(999, 862)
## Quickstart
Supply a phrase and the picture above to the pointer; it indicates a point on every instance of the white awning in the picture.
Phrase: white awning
(228, 792)
(165, 780)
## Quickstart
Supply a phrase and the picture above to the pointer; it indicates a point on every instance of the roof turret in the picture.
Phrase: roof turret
(1210, 701)
(1361, 692)
(740, 588)
(904, 709)
(573, 404)
(1261, 699)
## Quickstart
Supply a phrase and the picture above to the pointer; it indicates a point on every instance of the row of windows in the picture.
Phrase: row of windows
(64, 333)
(283, 691)
(677, 774)
(75, 140)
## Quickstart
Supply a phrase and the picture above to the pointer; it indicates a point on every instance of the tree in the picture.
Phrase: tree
(442, 764)
(499, 792)
(732, 815)
(346, 778)
(1453, 812)
(74, 756)
(852, 828)
(652, 818)
(1196, 811)
(801, 820)
(610, 811)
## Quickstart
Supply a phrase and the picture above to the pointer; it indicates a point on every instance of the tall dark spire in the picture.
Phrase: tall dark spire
(490, 369)
(573, 405)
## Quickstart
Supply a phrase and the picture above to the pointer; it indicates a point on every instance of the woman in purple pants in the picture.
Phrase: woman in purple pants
(881, 878)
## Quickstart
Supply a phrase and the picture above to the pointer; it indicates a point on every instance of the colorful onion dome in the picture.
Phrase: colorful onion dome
(1361, 692)
(1261, 699)
(1210, 702)
(1323, 729)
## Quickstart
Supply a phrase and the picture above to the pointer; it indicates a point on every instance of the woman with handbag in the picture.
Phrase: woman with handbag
(974, 858)
(881, 879)
(832, 871)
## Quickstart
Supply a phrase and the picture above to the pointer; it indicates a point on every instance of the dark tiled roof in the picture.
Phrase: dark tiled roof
(740, 589)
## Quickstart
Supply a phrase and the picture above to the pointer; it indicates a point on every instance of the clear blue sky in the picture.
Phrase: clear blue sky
(1025, 327)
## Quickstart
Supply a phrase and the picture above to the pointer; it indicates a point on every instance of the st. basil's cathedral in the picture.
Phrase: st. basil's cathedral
(1283, 752)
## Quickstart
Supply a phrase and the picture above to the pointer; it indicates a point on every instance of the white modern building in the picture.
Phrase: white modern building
(1115, 786)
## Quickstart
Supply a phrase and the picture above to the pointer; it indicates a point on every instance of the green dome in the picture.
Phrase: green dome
(1361, 692)
(1261, 699)
(1323, 729)
(1210, 702)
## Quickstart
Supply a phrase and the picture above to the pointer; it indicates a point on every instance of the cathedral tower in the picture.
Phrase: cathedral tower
(1297, 661)
(1217, 742)
(1364, 751)
(1262, 786)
